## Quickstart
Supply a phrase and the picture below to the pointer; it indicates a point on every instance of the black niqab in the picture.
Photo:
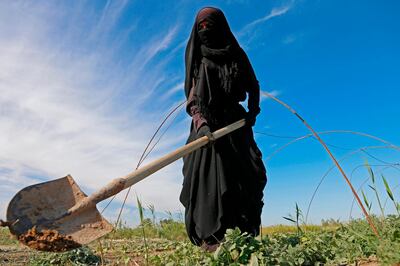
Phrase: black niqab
(217, 43)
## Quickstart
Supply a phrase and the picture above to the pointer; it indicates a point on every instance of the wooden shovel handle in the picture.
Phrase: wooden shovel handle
(132, 178)
(156, 165)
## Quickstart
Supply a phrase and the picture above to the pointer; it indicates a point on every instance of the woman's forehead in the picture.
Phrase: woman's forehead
(206, 12)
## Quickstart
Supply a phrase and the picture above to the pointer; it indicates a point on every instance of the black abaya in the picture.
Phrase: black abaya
(223, 182)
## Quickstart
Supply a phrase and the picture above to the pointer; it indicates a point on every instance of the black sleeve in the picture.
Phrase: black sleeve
(252, 87)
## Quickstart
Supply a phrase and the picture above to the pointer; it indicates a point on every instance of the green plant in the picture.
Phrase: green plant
(79, 257)
(296, 219)
(390, 195)
(373, 187)
(153, 212)
(367, 203)
(345, 244)
(142, 225)
(6, 238)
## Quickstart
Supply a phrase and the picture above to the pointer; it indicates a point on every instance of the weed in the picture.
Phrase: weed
(142, 225)
(6, 238)
(373, 187)
(79, 257)
(347, 244)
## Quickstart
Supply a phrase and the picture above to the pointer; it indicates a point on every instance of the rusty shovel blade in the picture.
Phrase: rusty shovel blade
(39, 220)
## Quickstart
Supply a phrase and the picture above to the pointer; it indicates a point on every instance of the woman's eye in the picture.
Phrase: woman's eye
(203, 25)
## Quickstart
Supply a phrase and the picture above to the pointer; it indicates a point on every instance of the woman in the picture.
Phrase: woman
(223, 182)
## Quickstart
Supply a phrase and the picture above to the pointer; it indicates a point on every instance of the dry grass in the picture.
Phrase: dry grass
(268, 230)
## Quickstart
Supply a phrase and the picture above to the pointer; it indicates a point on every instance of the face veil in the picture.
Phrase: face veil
(215, 38)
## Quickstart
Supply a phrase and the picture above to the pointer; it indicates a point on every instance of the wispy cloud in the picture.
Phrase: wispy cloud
(68, 106)
(176, 88)
(158, 45)
(275, 12)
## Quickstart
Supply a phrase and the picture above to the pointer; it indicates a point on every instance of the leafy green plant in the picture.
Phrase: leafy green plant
(79, 257)
(348, 243)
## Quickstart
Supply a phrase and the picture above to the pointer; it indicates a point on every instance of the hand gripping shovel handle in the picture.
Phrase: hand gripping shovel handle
(121, 183)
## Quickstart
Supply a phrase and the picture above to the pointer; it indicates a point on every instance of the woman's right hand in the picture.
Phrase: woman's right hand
(205, 131)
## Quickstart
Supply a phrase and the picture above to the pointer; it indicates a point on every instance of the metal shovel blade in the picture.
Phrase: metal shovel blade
(39, 220)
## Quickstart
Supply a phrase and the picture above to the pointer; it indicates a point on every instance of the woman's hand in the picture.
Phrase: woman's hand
(205, 131)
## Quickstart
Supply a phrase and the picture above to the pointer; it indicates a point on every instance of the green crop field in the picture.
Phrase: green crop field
(165, 243)
(372, 241)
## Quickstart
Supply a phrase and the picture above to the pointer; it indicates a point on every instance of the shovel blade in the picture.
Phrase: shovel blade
(39, 207)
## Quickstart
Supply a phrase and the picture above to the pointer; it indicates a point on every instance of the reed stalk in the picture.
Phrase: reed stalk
(370, 222)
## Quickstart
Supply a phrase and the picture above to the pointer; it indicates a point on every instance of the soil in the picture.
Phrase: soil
(47, 240)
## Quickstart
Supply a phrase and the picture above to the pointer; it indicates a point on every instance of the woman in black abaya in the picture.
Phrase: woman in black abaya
(223, 182)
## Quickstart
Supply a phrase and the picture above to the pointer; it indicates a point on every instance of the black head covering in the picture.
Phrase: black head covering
(211, 38)
(217, 37)
(213, 29)
(217, 43)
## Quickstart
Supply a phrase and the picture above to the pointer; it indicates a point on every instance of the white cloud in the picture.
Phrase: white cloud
(176, 88)
(158, 45)
(275, 12)
(67, 105)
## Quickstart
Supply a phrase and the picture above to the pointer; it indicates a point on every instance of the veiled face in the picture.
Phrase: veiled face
(207, 33)
(211, 34)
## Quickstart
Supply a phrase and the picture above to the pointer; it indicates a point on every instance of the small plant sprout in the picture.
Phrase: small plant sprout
(142, 225)
(296, 220)
(153, 212)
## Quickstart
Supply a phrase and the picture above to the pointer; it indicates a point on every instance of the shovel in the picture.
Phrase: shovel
(58, 216)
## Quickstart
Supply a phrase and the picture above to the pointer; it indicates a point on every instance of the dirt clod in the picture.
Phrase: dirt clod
(47, 240)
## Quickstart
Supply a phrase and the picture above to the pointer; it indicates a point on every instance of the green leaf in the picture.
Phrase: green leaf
(388, 190)
(140, 208)
(366, 200)
(371, 173)
(289, 219)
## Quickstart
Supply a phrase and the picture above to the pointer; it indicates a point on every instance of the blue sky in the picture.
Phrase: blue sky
(84, 84)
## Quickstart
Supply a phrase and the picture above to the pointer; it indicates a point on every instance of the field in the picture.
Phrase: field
(165, 243)
(372, 240)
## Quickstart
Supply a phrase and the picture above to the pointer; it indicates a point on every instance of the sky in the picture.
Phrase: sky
(85, 84)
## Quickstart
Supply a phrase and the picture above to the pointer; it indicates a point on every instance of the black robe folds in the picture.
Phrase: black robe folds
(223, 182)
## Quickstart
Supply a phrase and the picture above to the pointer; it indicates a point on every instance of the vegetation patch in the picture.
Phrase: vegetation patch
(351, 243)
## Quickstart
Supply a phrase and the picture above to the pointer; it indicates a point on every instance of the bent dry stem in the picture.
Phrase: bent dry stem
(371, 224)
